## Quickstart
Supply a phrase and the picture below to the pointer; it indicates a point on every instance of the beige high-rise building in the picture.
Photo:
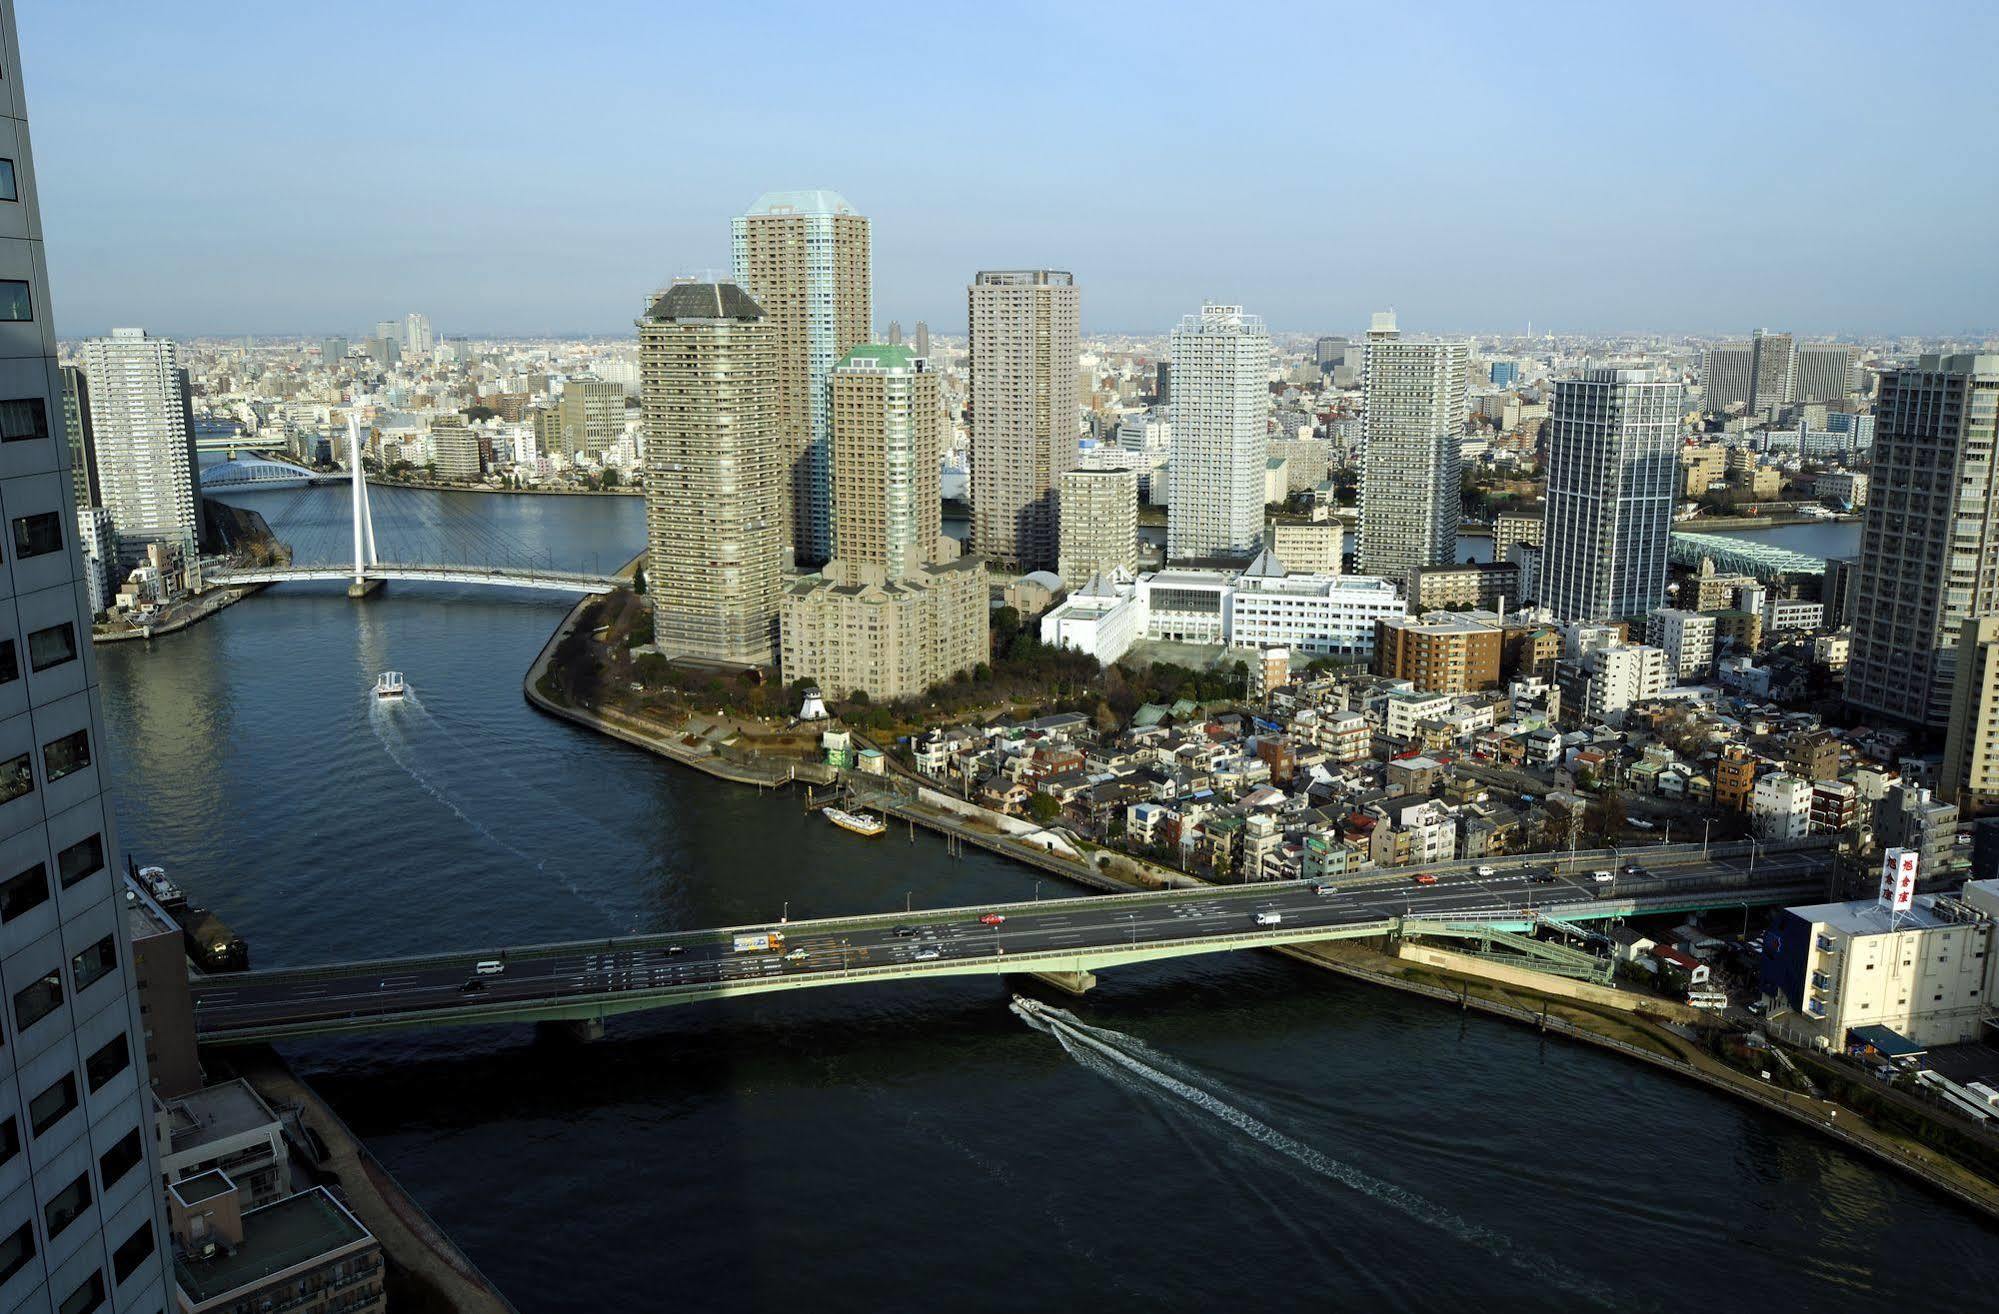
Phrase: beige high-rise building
(804, 258)
(591, 416)
(887, 447)
(714, 474)
(1308, 549)
(1970, 776)
(1099, 524)
(896, 610)
(1024, 349)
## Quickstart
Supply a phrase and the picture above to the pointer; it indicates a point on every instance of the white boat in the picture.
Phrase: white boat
(389, 684)
(858, 822)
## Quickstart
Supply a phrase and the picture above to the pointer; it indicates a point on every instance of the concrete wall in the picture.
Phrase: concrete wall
(1544, 983)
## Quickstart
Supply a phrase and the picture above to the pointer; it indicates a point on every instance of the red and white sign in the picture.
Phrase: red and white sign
(1898, 879)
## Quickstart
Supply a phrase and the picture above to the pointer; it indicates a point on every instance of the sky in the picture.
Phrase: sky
(211, 167)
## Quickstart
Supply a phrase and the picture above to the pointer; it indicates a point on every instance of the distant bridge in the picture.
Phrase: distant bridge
(369, 572)
(1063, 940)
(259, 472)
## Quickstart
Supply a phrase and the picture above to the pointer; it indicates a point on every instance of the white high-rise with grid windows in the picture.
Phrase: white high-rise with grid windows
(1413, 398)
(1221, 410)
(81, 1221)
(1613, 474)
(143, 424)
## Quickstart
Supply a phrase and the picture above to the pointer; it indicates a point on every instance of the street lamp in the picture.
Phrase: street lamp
(1037, 891)
(1132, 920)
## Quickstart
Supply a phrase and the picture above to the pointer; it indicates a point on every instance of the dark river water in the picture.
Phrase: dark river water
(1236, 1131)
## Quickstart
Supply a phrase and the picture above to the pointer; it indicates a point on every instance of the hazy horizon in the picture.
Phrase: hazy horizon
(515, 171)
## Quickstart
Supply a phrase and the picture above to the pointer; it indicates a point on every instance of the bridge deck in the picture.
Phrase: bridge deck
(498, 577)
(602, 978)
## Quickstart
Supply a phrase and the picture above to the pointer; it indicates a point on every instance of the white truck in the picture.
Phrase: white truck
(1270, 919)
(758, 942)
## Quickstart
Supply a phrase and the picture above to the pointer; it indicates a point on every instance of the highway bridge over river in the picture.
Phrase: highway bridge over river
(1064, 940)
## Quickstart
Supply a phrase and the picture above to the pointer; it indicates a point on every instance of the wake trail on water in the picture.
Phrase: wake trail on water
(382, 718)
(1111, 1054)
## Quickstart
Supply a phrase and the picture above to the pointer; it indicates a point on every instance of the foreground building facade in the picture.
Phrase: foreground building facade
(81, 1223)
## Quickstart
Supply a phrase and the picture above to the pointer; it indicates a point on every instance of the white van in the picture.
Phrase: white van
(1270, 919)
(489, 967)
(1602, 878)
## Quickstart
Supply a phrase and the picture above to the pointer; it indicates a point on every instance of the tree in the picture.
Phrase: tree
(1604, 818)
(1043, 808)
(611, 476)
(476, 413)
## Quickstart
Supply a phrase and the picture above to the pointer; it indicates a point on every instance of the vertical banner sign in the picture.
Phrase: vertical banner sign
(1898, 879)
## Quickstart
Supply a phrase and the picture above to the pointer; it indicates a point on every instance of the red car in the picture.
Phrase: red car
(1425, 878)
(992, 919)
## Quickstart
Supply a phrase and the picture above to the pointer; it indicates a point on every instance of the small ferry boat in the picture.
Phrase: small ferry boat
(858, 822)
(389, 684)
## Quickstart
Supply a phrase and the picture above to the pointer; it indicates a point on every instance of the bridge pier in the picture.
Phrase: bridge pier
(361, 588)
(1073, 983)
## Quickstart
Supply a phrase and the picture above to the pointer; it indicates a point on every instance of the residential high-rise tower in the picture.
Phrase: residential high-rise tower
(887, 449)
(1613, 475)
(1221, 414)
(1929, 542)
(1025, 335)
(803, 257)
(714, 474)
(143, 423)
(1099, 524)
(1413, 396)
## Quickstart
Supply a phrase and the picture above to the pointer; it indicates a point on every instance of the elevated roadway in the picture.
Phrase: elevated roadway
(552, 581)
(596, 979)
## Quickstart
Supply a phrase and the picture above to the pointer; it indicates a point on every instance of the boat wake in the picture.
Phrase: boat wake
(1128, 1062)
(383, 718)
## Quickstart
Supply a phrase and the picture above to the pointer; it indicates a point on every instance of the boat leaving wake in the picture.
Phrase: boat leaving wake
(1116, 1056)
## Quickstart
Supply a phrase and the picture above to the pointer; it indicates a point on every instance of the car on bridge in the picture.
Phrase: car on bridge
(993, 919)
(928, 952)
(1424, 878)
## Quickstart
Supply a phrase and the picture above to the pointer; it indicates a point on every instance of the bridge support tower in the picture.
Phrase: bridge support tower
(1072, 983)
(575, 1030)
(364, 520)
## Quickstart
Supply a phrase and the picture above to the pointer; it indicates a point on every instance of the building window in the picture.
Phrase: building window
(120, 1159)
(10, 1139)
(132, 1252)
(62, 756)
(63, 1208)
(52, 1105)
(37, 999)
(24, 893)
(16, 303)
(17, 1250)
(93, 964)
(108, 1062)
(8, 190)
(81, 859)
(17, 776)
(23, 418)
(10, 665)
(37, 535)
(52, 646)
(85, 1298)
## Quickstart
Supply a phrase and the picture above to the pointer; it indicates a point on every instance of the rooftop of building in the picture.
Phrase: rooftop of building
(875, 356)
(705, 300)
(810, 200)
(215, 1113)
(1447, 622)
(202, 1186)
(280, 1236)
(1868, 917)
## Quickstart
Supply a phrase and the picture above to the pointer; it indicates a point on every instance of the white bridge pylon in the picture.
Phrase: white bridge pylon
(364, 520)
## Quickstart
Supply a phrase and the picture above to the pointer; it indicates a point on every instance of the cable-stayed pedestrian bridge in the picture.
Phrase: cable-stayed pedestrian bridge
(1065, 940)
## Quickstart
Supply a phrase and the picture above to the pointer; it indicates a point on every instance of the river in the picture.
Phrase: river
(1243, 1130)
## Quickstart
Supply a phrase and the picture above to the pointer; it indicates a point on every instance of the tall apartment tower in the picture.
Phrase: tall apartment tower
(1726, 370)
(1929, 542)
(591, 416)
(1414, 395)
(1025, 343)
(715, 474)
(1099, 524)
(1826, 373)
(887, 450)
(1613, 477)
(1970, 775)
(417, 339)
(804, 258)
(143, 422)
(82, 1225)
(82, 439)
(1221, 416)
(1773, 363)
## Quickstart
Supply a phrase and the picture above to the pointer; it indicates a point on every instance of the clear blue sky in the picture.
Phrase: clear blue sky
(210, 167)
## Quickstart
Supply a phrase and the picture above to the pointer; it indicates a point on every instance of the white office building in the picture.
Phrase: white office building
(1221, 406)
(1319, 615)
(144, 428)
(1103, 618)
(1780, 806)
(1414, 399)
(1187, 606)
(82, 1225)
(1687, 639)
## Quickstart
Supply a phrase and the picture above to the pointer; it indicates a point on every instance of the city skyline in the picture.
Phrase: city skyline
(261, 227)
